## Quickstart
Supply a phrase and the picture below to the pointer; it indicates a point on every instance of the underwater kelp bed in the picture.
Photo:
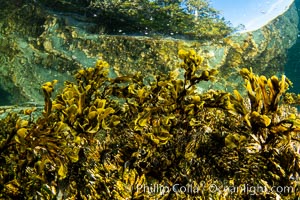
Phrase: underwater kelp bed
(127, 137)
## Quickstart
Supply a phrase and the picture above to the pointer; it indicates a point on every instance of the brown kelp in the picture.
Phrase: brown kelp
(108, 136)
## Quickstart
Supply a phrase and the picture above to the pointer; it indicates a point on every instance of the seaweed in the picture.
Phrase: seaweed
(105, 137)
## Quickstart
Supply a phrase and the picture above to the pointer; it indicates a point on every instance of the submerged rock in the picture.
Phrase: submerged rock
(39, 45)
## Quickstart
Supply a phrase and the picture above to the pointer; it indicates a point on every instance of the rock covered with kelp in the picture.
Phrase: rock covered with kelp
(118, 137)
(42, 40)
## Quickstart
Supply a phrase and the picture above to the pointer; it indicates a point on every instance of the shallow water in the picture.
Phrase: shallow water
(158, 107)
(41, 46)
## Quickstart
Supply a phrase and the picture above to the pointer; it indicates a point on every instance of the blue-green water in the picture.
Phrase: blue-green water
(292, 67)
(81, 24)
